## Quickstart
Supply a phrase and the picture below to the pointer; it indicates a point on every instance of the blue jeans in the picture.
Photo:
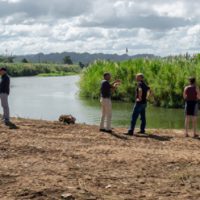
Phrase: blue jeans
(139, 109)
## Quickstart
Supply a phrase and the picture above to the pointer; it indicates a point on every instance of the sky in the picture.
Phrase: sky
(100, 26)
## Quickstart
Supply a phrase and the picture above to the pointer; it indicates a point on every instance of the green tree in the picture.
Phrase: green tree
(81, 65)
(24, 60)
(2, 59)
(10, 59)
(67, 60)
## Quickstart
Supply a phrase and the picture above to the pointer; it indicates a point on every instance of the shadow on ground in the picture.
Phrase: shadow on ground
(118, 136)
(155, 137)
(151, 136)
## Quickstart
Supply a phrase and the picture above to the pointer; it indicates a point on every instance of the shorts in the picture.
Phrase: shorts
(191, 108)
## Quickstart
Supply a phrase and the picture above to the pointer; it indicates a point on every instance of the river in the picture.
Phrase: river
(49, 97)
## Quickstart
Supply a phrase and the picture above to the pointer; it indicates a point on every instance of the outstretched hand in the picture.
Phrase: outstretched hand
(116, 83)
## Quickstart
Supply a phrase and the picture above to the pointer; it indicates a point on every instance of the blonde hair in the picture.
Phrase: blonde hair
(140, 75)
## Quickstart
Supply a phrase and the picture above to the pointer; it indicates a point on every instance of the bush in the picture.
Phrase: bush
(166, 77)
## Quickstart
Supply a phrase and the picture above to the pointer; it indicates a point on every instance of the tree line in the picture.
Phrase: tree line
(32, 69)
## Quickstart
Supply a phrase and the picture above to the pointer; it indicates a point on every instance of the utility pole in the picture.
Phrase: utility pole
(6, 52)
(126, 50)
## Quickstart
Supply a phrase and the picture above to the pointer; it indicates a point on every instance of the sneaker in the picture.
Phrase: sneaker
(129, 133)
(7, 123)
(186, 135)
(102, 130)
(141, 132)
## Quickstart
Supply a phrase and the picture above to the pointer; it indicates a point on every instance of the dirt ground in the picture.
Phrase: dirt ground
(42, 160)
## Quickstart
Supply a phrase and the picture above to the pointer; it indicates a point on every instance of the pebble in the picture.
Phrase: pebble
(108, 186)
(67, 196)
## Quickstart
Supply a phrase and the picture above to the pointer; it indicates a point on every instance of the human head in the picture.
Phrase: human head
(3, 71)
(192, 80)
(107, 76)
(139, 77)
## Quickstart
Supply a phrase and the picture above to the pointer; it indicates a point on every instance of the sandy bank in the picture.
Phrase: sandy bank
(43, 160)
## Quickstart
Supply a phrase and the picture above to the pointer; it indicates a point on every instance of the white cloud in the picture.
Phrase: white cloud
(144, 26)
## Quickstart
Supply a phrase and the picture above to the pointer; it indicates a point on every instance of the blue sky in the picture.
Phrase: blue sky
(143, 26)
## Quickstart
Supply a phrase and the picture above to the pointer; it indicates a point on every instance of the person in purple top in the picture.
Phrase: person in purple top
(191, 95)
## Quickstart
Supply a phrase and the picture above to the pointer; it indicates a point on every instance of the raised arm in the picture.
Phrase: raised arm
(115, 84)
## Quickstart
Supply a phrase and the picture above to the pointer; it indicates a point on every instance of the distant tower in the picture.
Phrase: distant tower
(126, 50)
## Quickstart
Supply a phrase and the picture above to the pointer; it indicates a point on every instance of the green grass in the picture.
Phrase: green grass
(166, 77)
(35, 69)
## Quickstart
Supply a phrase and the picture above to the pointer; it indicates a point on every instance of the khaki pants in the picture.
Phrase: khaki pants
(4, 104)
(106, 113)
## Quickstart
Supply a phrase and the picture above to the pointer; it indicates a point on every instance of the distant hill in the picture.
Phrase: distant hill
(85, 58)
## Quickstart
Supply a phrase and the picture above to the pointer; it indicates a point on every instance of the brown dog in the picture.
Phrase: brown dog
(67, 119)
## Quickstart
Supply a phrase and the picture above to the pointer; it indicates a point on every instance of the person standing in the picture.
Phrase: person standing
(142, 91)
(4, 93)
(191, 95)
(106, 104)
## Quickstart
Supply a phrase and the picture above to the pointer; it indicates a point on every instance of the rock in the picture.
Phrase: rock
(67, 119)
(142, 182)
(67, 196)
(108, 186)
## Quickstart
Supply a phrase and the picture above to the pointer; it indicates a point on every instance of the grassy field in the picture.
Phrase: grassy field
(41, 69)
(166, 77)
(43, 160)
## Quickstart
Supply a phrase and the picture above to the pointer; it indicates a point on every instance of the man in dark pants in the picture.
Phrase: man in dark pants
(140, 105)
(4, 92)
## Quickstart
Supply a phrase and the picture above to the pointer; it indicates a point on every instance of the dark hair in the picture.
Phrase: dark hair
(106, 74)
(192, 80)
(3, 69)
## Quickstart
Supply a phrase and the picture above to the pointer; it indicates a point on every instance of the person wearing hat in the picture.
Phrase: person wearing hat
(142, 91)
(4, 93)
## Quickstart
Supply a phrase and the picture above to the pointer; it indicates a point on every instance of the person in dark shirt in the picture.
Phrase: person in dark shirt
(142, 91)
(106, 89)
(4, 93)
(191, 95)
(106, 105)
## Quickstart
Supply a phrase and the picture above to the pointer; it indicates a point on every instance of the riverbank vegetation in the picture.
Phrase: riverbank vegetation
(40, 69)
(166, 77)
